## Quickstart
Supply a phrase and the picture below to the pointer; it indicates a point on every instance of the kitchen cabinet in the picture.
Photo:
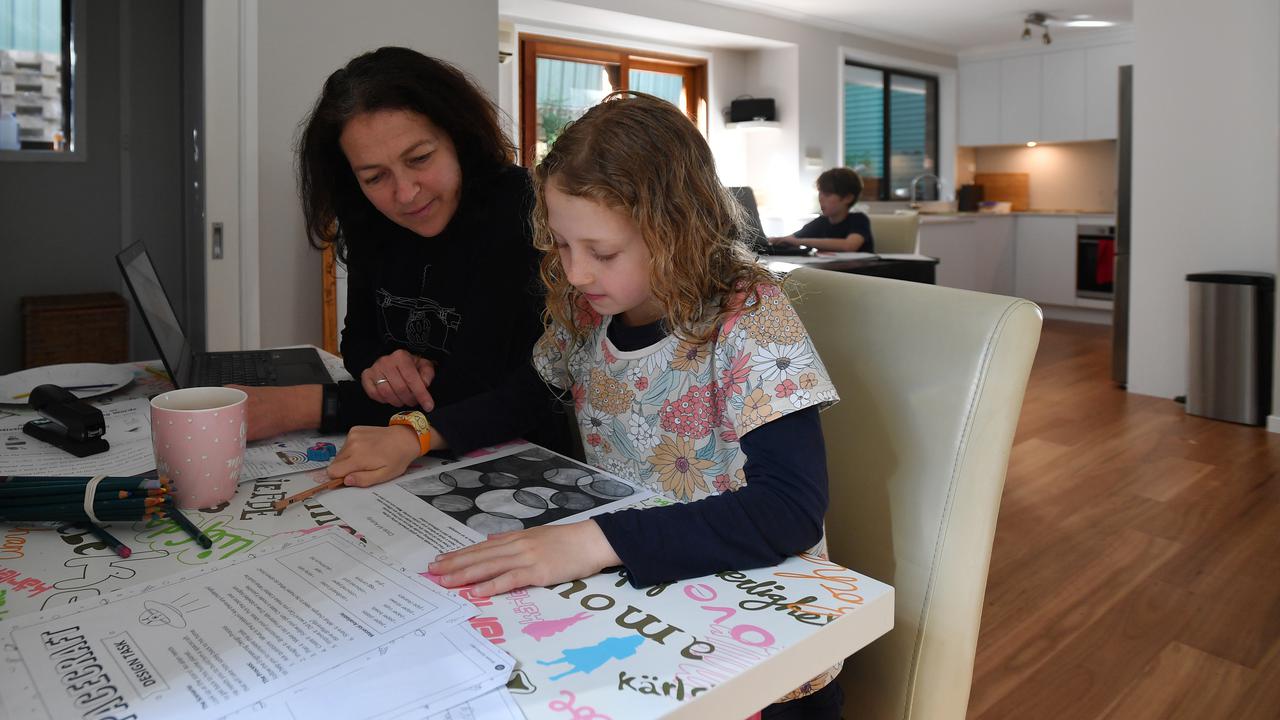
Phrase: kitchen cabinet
(1062, 115)
(1020, 88)
(979, 103)
(1045, 259)
(974, 252)
(1102, 89)
(1049, 96)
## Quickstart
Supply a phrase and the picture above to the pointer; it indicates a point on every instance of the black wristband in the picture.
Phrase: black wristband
(329, 409)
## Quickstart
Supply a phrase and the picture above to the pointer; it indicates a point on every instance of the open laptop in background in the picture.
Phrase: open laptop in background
(294, 366)
(756, 239)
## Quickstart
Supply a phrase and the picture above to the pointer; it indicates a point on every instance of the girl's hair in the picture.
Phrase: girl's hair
(639, 154)
(389, 78)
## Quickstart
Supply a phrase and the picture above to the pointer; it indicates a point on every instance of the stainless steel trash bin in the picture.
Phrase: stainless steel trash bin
(1229, 354)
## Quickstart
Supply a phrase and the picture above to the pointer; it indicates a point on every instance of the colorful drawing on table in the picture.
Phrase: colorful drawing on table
(592, 657)
(516, 491)
(520, 684)
(546, 628)
(160, 533)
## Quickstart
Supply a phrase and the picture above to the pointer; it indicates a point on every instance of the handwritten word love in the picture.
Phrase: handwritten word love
(586, 712)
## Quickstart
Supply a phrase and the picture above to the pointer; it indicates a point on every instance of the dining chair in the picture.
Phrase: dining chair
(931, 382)
(896, 233)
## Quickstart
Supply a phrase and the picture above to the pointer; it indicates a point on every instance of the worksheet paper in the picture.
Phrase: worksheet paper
(438, 509)
(128, 432)
(420, 674)
(209, 642)
(285, 455)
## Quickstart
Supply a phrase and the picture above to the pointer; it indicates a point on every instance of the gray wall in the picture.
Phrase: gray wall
(300, 42)
(61, 223)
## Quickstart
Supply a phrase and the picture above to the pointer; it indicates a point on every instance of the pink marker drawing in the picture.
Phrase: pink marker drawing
(547, 628)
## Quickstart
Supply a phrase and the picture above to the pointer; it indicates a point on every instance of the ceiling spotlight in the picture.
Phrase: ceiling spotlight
(1026, 32)
(1045, 38)
(1040, 20)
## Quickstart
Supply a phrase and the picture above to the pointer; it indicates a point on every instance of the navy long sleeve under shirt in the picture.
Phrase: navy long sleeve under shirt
(778, 513)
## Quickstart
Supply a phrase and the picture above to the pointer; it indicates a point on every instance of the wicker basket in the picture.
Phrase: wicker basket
(93, 327)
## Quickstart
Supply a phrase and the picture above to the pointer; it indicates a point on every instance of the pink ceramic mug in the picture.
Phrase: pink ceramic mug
(198, 434)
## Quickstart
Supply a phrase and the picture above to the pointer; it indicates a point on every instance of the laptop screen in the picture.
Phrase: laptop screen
(753, 232)
(157, 311)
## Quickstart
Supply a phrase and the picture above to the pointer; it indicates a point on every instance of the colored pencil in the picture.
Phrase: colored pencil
(171, 512)
(112, 541)
(19, 494)
(280, 505)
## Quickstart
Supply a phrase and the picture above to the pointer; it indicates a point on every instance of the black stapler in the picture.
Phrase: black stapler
(68, 422)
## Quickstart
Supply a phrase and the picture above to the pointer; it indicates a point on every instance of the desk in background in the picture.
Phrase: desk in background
(912, 268)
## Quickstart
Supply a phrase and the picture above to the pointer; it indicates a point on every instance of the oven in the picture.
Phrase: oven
(1095, 261)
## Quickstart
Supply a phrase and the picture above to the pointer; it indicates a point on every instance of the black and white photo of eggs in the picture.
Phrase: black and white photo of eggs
(518, 491)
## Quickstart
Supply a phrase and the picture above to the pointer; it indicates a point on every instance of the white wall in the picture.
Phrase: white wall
(1063, 176)
(1206, 148)
(299, 43)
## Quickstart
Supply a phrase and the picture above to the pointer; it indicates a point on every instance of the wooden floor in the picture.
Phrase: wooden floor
(1136, 567)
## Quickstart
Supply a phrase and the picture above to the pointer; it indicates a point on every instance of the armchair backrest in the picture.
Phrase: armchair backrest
(896, 233)
(931, 383)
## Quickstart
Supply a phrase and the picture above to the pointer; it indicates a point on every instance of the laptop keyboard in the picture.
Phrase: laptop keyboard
(240, 368)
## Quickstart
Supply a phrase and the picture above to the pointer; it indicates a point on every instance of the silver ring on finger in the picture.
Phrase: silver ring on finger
(379, 381)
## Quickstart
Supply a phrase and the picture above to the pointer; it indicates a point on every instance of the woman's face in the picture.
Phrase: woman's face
(407, 167)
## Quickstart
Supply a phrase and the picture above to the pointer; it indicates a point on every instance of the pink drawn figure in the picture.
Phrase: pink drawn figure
(547, 628)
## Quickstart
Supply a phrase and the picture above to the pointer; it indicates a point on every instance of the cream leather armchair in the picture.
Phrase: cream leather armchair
(896, 233)
(931, 382)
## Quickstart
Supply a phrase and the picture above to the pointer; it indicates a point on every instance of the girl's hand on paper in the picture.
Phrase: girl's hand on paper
(540, 556)
(375, 455)
(400, 379)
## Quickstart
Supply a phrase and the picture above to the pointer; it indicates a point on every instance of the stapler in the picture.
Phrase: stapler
(68, 422)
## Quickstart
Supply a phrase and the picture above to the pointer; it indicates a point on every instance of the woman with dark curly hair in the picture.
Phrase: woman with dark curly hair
(404, 169)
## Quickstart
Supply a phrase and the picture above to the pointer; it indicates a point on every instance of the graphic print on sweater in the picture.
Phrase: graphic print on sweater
(419, 323)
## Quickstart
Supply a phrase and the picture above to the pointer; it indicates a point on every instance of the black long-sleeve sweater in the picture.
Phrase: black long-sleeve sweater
(470, 301)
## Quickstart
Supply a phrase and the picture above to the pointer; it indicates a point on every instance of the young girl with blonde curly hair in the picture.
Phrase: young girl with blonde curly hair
(689, 371)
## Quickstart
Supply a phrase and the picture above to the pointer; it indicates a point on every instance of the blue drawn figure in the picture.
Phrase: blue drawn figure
(586, 659)
(426, 322)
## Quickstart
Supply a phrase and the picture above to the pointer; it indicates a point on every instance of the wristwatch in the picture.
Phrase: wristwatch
(418, 422)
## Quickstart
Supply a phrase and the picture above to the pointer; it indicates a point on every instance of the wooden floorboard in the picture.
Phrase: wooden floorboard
(1136, 565)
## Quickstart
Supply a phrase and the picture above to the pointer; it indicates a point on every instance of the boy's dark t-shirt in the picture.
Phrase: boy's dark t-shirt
(856, 222)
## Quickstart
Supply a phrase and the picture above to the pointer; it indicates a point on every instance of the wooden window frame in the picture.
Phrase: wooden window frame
(532, 47)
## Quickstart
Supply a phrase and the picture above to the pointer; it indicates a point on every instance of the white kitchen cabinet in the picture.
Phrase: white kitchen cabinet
(1020, 86)
(1053, 96)
(1061, 111)
(974, 253)
(1045, 259)
(979, 103)
(1102, 89)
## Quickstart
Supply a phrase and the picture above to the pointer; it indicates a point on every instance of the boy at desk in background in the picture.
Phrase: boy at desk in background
(836, 229)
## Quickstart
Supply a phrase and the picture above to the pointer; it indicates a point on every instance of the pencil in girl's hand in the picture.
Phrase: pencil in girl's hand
(280, 505)
(171, 512)
(112, 541)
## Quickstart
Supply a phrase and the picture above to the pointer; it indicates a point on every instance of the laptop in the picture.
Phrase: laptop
(755, 237)
(294, 366)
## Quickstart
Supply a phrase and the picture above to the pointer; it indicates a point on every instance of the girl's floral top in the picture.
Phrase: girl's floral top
(668, 417)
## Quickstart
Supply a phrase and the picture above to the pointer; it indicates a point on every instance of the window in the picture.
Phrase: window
(560, 81)
(890, 137)
(36, 49)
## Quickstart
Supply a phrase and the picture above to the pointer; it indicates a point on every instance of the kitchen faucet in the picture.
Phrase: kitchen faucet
(918, 178)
